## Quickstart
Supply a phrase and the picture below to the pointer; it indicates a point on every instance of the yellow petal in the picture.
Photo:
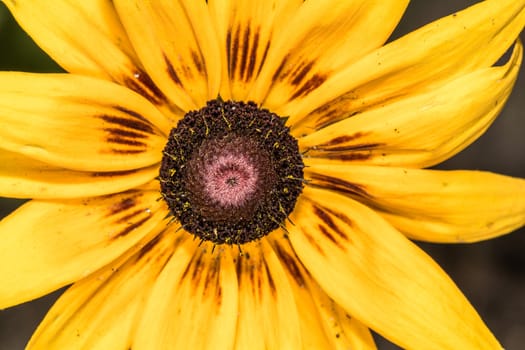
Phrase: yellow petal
(312, 332)
(423, 129)
(431, 205)
(49, 244)
(346, 331)
(22, 177)
(175, 42)
(324, 325)
(193, 304)
(378, 276)
(460, 43)
(102, 310)
(245, 29)
(59, 28)
(79, 123)
(318, 40)
(267, 310)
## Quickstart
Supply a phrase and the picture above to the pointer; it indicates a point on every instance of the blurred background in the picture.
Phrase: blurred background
(491, 274)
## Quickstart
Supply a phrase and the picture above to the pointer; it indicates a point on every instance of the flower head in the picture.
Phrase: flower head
(249, 174)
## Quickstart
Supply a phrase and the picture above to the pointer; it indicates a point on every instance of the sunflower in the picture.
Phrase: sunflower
(249, 174)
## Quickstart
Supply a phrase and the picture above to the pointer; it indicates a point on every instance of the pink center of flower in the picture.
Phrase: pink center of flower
(230, 180)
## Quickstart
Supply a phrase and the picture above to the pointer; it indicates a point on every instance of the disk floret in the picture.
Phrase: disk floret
(231, 172)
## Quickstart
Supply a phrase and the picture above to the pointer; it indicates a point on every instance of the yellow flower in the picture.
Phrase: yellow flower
(284, 257)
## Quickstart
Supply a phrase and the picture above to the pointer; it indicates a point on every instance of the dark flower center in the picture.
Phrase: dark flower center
(231, 172)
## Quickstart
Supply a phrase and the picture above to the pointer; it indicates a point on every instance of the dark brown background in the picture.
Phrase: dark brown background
(491, 274)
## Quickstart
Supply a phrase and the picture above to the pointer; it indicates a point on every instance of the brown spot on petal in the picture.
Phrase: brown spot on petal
(113, 173)
(309, 85)
(324, 215)
(128, 123)
(334, 110)
(148, 247)
(172, 72)
(186, 271)
(238, 269)
(330, 117)
(298, 77)
(125, 141)
(213, 273)
(156, 253)
(123, 205)
(251, 274)
(197, 267)
(143, 85)
(228, 51)
(328, 234)
(341, 140)
(300, 73)
(263, 58)
(121, 133)
(321, 214)
(206, 272)
(252, 57)
(256, 276)
(341, 217)
(338, 185)
(233, 41)
(277, 75)
(271, 282)
(242, 45)
(347, 156)
(132, 113)
(312, 241)
(291, 264)
(121, 213)
(357, 147)
(243, 63)
(131, 227)
(127, 151)
(212, 281)
(130, 216)
(197, 61)
(129, 130)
